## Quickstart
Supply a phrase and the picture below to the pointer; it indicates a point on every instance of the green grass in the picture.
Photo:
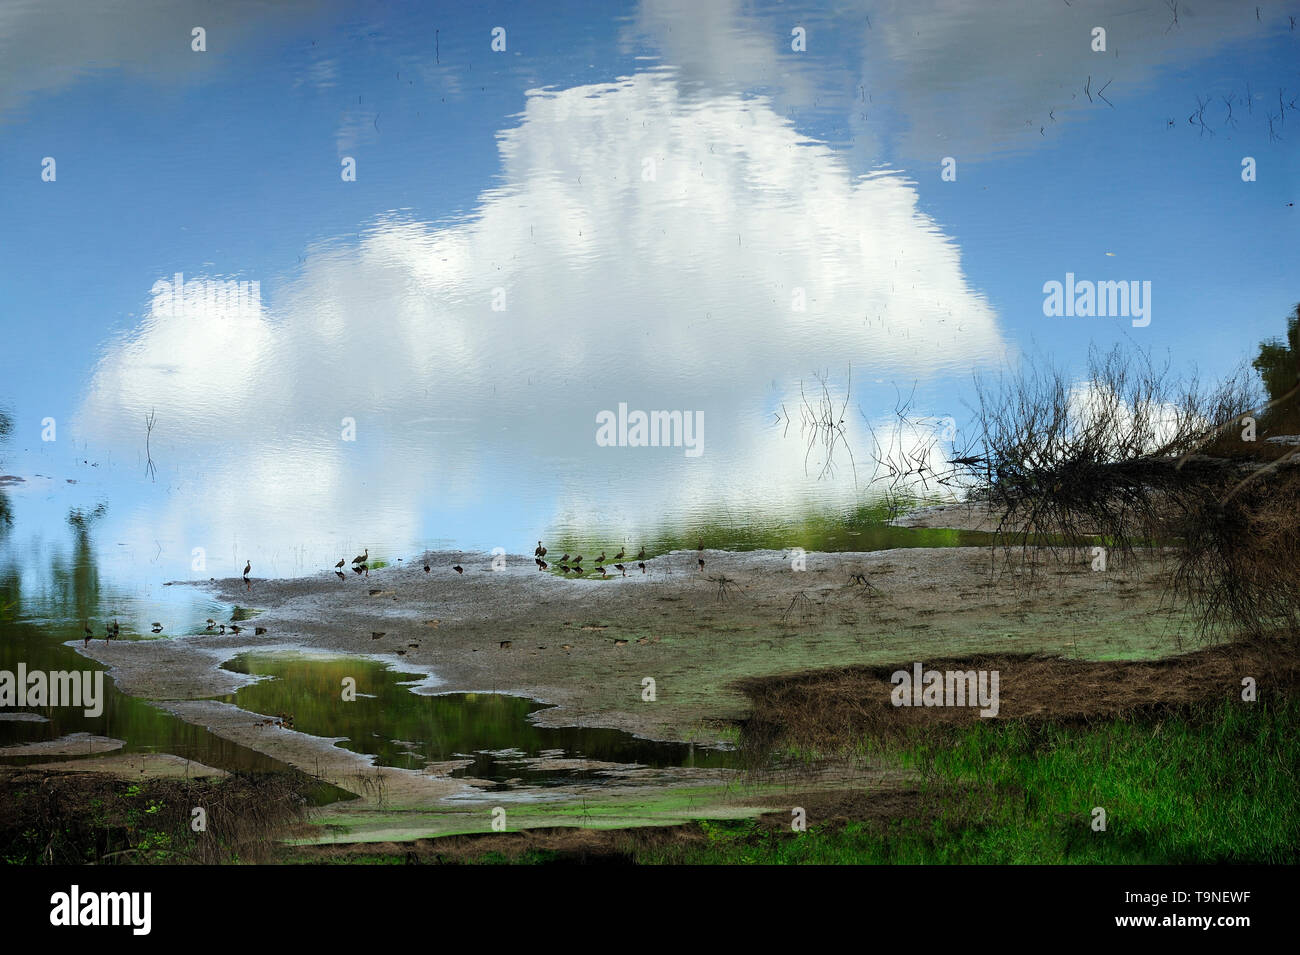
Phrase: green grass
(1216, 784)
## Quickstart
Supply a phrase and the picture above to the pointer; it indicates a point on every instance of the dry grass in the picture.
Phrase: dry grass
(831, 711)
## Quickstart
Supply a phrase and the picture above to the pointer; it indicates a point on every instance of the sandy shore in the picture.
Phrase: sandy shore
(586, 645)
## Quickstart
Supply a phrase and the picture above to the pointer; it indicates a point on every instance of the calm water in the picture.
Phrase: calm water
(330, 278)
(408, 730)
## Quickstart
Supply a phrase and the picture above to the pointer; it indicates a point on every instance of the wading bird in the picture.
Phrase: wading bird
(642, 566)
(641, 553)
(458, 568)
(620, 567)
(248, 566)
(362, 558)
(601, 558)
(619, 555)
(564, 559)
(540, 551)
(339, 564)
(576, 560)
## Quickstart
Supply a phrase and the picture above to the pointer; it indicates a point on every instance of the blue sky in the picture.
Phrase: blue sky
(225, 164)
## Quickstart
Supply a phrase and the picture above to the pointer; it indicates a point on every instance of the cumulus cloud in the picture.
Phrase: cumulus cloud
(648, 247)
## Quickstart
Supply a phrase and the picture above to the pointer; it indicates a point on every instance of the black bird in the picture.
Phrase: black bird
(543, 565)
(601, 558)
(89, 634)
(458, 568)
(622, 568)
(235, 628)
(619, 555)
(362, 558)
(248, 566)
(358, 568)
(374, 635)
(641, 554)
(600, 570)
(701, 563)
(564, 568)
(577, 560)
(426, 566)
(157, 627)
(642, 566)
(259, 630)
(540, 551)
(339, 564)
(340, 575)
(564, 559)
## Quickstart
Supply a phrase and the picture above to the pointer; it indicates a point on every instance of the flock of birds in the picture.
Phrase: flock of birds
(565, 564)
(112, 631)
(361, 565)
(573, 565)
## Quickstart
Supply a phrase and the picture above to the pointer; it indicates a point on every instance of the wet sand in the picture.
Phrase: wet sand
(587, 645)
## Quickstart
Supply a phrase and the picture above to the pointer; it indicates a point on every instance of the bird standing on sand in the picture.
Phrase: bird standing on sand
(619, 555)
(458, 568)
(426, 565)
(362, 558)
(642, 566)
(339, 564)
(620, 567)
(248, 566)
(541, 551)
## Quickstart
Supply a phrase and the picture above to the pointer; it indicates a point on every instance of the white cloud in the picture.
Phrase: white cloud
(667, 294)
